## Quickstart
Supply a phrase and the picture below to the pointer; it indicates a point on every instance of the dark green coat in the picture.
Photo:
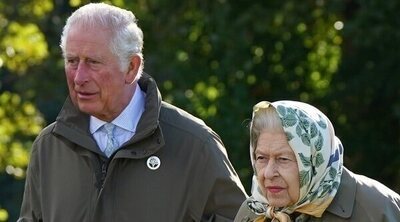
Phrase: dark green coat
(359, 199)
(69, 179)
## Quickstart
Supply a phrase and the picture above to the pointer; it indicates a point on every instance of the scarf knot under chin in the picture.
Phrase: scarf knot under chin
(265, 211)
(277, 215)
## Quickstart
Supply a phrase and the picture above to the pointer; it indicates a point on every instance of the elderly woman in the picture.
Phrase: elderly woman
(299, 173)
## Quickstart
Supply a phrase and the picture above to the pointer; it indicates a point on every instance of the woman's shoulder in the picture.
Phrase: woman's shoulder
(372, 190)
(360, 197)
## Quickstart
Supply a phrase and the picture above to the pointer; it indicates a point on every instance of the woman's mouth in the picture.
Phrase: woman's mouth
(274, 189)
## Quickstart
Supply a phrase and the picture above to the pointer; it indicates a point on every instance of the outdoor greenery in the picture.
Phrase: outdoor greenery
(216, 59)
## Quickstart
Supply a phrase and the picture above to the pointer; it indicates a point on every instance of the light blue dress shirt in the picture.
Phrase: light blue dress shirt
(125, 123)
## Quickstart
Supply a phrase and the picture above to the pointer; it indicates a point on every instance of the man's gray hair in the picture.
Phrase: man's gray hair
(126, 36)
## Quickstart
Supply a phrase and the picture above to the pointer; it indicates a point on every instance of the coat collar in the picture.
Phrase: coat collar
(74, 125)
(342, 204)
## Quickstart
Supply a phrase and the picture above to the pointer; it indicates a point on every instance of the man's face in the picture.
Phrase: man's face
(95, 82)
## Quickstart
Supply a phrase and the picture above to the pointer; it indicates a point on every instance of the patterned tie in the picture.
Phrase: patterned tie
(112, 143)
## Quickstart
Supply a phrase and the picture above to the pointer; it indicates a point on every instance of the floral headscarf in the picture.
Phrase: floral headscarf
(319, 155)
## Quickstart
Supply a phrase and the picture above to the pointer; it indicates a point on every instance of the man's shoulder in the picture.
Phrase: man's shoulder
(171, 112)
(181, 119)
(44, 136)
(179, 123)
(46, 130)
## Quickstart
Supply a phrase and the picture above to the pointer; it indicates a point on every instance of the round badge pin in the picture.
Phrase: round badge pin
(153, 163)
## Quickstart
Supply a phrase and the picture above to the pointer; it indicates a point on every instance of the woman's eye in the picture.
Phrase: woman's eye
(283, 159)
(259, 157)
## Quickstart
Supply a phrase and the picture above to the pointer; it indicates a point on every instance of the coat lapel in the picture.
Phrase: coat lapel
(343, 203)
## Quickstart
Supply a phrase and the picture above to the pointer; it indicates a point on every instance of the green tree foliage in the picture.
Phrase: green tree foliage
(365, 97)
(22, 45)
(20, 122)
(216, 59)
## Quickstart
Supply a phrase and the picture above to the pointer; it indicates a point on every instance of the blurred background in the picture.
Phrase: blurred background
(216, 59)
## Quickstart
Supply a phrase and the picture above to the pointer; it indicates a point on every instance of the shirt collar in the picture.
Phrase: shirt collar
(129, 117)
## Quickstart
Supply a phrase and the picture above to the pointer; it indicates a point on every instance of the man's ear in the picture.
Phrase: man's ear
(133, 69)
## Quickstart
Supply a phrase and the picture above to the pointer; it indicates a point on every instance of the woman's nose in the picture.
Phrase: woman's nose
(271, 169)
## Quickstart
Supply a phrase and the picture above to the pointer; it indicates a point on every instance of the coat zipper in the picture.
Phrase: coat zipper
(104, 169)
(100, 177)
(103, 173)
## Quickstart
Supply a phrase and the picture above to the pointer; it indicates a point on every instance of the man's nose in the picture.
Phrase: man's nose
(81, 75)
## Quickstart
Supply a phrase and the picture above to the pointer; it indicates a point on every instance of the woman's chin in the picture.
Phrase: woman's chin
(278, 203)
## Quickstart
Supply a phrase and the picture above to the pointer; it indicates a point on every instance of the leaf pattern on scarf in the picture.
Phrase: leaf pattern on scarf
(306, 161)
(313, 130)
(281, 110)
(305, 138)
(332, 172)
(299, 131)
(319, 159)
(320, 142)
(326, 188)
(304, 178)
(289, 120)
(335, 185)
(304, 123)
(321, 122)
(288, 116)
(256, 207)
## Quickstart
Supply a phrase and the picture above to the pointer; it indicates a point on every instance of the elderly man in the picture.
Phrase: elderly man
(116, 151)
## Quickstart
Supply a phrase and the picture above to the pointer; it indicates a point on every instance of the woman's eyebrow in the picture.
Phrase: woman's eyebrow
(280, 152)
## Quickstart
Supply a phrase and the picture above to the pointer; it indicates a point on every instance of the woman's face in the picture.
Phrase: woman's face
(277, 169)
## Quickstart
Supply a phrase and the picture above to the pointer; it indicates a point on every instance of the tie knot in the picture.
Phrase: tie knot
(109, 127)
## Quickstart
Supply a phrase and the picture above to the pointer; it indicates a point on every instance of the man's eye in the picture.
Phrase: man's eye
(93, 61)
(71, 61)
